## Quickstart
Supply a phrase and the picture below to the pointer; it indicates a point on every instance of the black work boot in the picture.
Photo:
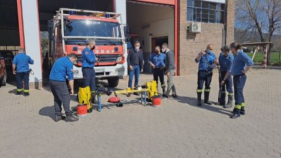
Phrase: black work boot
(242, 112)
(229, 103)
(222, 99)
(236, 113)
(71, 118)
(26, 94)
(58, 118)
(199, 101)
(19, 93)
(206, 98)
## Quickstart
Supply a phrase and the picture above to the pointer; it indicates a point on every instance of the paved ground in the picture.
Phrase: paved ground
(177, 129)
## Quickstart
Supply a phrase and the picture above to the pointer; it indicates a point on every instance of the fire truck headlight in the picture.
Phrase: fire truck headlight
(119, 59)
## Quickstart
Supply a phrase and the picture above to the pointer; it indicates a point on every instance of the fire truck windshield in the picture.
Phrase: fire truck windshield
(92, 28)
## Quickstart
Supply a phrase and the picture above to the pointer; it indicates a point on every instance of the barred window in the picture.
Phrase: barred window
(209, 12)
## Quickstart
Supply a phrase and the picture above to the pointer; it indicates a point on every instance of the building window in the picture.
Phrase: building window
(209, 12)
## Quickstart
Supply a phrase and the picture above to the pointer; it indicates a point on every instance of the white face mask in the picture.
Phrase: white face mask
(137, 48)
(163, 50)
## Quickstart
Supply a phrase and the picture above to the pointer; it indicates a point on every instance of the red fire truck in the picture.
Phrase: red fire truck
(71, 29)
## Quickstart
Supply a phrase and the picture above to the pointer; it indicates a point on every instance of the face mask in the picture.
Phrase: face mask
(137, 48)
(163, 50)
(93, 47)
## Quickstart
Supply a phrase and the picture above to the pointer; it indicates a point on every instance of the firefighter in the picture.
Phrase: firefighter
(170, 71)
(242, 63)
(135, 63)
(88, 64)
(207, 60)
(157, 62)
(225, 62)
(62, 71)
(21, 69)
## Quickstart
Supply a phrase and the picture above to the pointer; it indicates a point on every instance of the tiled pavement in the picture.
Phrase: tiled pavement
(177, 129)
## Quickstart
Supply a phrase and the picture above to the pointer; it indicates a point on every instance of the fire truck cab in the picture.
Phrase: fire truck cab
(71, 29)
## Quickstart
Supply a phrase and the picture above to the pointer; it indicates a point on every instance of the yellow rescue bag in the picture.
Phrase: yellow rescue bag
(85, 98)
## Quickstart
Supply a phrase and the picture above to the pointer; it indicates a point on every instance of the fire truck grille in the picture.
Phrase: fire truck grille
(102, 58)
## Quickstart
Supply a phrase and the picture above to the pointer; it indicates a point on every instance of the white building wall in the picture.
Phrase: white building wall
(120, 7)
(32, 37)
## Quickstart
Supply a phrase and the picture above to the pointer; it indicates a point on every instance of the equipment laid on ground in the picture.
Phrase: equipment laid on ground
(85, 98)
(148, 91)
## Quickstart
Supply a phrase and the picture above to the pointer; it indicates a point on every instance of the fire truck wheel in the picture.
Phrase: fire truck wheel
(113, 82)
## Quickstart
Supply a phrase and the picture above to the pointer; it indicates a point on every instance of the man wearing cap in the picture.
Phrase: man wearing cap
(225, 62)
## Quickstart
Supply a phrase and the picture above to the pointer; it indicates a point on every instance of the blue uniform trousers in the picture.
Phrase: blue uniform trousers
(159, 73)
(22, 76)
(89, 76)
(228, 83)
(239, 83)
(204, 77)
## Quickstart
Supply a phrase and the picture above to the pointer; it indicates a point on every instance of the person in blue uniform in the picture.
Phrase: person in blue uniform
(88, 64)
(157, 62)
(242, 63)
(225, 62)
(135, 64)
(62, 71)
(207, 61)
(21, 69)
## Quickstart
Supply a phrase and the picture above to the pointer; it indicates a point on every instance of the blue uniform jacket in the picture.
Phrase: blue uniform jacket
(240, 62)
(62, 70)
(158, 59)
(88, 58)
(22, 62)
(206, 61)
(226, 62)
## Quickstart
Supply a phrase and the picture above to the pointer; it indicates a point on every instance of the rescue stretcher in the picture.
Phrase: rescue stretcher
(147, 91)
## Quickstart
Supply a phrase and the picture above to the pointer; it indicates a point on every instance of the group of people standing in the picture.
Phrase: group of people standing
(162, 63)
(235, 64)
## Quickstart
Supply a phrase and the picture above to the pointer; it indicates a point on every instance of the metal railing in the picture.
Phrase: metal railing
(275, 58)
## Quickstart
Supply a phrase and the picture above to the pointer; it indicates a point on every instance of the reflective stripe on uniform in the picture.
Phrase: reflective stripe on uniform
(230, 94)
(19, 90)
(238, 107)
(207, 90)
(199, 90)
(243, 105)
(26, 91)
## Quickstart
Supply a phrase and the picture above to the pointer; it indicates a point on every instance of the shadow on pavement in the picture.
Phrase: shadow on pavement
(193, 102)
(13, 91)
(48, 111)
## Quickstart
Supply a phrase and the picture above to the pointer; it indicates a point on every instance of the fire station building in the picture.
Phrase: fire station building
(186, 25)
